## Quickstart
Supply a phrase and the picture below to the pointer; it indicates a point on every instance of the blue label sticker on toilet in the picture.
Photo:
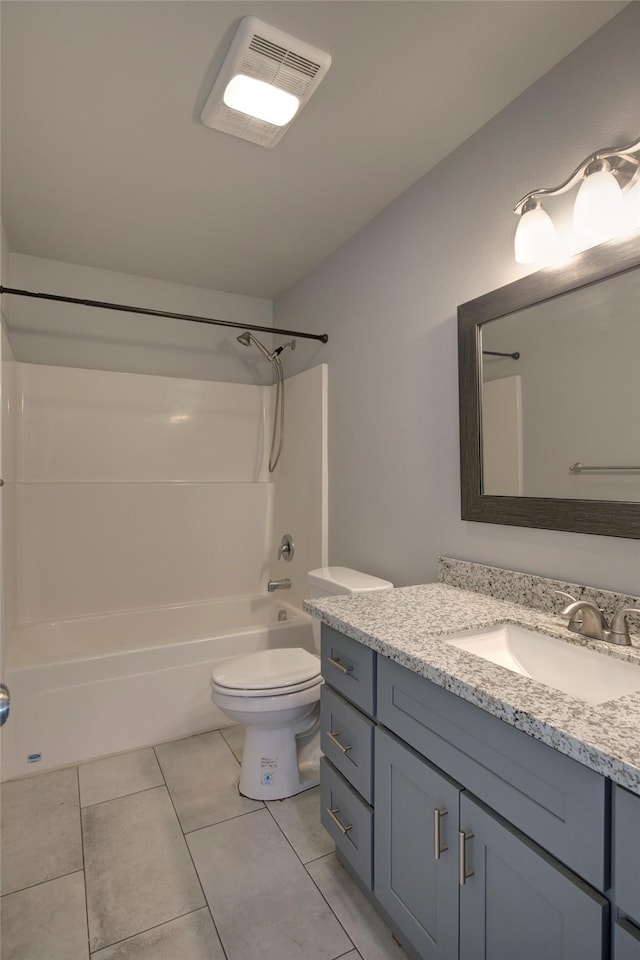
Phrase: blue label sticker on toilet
(268, 766)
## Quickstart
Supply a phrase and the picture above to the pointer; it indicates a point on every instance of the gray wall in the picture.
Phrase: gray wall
(75, 336)
(388, 300)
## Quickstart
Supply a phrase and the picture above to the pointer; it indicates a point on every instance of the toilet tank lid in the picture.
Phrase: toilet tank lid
(351, 581)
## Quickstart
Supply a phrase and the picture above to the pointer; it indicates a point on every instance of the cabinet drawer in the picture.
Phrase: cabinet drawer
(350, 668)
(347, 740)
(626, 834)
(626, 942)
(556, 801)
(349, 821)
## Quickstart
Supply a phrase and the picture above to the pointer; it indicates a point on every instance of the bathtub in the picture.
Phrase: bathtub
(92, 686)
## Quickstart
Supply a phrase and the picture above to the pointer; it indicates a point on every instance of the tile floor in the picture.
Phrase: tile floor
(154, 855)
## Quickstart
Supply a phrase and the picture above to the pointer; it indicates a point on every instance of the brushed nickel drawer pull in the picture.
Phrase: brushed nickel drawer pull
(438, 846)
(335, 662)
(332, 813)
(333, 737)
(463, 872)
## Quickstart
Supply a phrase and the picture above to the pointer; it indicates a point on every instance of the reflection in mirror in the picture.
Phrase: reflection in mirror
(572, 396)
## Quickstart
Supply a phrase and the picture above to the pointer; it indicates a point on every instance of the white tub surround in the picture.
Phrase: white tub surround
(91, 686)
(409, 624)
(143, 504)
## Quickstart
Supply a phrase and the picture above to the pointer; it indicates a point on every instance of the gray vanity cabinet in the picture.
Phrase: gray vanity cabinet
(415, 836)
(517, 901)
(475, 841)
(626, 859)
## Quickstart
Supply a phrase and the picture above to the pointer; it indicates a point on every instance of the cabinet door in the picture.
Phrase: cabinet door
(518, 902)
(418, 891)
(626, 938)
(627, 853)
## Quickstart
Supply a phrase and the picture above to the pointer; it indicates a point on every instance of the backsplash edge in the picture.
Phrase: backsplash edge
(528, 589)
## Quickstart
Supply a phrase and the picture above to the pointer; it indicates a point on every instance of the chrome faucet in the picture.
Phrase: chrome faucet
(589, 621)
(279, 585)
(586, 619)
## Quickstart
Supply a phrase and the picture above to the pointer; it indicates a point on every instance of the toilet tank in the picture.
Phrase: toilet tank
(337, 581)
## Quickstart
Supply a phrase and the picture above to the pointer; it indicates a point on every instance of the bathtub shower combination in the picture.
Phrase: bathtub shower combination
(146, 530)
(92, 686)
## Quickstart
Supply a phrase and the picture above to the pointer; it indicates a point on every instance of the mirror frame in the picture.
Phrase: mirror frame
(604, 517)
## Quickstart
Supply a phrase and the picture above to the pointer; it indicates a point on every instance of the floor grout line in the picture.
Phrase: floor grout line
(41, 882)
(304, 867)
(121, 796)
(354, 947)
(184, 837)
(84, 865)
(298, 857)
(156, 926)
(221, 732)
(323, 856)
(236, 816)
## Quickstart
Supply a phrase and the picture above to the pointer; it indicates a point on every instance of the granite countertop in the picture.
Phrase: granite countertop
(408, 625)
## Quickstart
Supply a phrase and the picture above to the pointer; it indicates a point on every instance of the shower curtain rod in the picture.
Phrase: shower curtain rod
(323, 337)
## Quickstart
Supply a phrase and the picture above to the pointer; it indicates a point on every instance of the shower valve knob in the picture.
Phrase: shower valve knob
(286, 548)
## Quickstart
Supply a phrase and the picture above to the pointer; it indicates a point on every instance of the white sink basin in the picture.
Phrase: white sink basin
(578, 671)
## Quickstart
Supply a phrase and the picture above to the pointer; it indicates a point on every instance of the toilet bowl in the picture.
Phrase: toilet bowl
(275, 694)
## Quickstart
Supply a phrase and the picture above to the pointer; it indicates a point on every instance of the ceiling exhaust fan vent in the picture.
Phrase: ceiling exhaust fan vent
(287, 57)
(264, 53)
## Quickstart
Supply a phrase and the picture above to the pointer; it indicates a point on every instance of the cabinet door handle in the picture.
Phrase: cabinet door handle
(332, 813)
(463, 872)
(333, 737)
(5, 703)
(335, 662)
(438, 846)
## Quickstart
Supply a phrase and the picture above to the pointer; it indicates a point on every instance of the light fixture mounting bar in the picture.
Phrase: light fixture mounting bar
(625, 168)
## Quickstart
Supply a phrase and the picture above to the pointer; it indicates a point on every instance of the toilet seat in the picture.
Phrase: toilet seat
(267, 691)
(268, 673)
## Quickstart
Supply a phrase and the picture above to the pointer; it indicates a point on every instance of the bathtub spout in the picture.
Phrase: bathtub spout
(278, 585)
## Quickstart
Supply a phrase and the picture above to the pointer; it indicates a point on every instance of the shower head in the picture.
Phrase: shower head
(246, 338)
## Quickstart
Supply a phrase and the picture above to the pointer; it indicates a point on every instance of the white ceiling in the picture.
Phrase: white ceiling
(105, 162)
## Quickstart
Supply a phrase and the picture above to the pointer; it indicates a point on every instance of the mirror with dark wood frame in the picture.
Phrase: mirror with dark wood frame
(556, 292)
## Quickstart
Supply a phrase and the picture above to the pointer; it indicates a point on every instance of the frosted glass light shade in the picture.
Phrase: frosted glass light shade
(632, 201)
(261, 100)
(599, 212)
(535, 240)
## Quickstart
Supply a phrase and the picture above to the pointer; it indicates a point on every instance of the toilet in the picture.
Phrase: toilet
(276, 695)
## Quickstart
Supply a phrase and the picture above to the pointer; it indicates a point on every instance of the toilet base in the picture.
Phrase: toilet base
(281, 761)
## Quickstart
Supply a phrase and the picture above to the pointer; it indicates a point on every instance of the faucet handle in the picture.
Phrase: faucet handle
(567, 596)
(620, 627)
(575, 620)
(286, 548)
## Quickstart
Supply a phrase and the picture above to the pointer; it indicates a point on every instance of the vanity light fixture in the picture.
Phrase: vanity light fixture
(266, 79)
(607, 204)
